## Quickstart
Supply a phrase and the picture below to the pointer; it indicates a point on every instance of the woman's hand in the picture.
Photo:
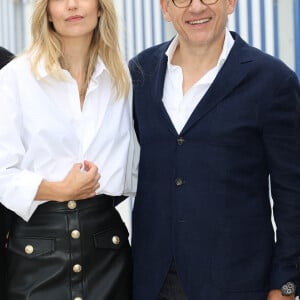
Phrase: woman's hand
(81, 182)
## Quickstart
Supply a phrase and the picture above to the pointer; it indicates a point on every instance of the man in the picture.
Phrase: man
(5, 215)
(215, 119)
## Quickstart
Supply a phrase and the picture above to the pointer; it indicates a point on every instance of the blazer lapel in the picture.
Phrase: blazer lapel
(230, 76)
(159, 73)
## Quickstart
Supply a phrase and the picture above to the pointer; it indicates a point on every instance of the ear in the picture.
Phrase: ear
(164, 4)
(50, 18)
(231, 4)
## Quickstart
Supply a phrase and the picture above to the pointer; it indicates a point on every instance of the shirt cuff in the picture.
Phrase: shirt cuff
(20, 194)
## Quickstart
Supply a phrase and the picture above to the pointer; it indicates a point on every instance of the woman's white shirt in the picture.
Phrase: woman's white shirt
(43, 132)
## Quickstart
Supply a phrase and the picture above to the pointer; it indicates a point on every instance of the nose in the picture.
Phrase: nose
(72, 4)
(197, 4)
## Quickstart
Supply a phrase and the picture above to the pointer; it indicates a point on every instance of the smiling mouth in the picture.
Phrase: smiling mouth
(196, 22)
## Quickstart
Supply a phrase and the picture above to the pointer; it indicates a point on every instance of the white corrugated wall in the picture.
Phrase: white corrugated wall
(271, 25)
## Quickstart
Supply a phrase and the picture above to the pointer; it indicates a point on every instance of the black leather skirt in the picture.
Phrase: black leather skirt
(76, 250)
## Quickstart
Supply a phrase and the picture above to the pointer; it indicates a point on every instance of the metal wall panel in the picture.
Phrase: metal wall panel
(8, 37)
(270, 25)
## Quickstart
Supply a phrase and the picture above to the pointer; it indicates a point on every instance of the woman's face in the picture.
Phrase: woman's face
(74, 18)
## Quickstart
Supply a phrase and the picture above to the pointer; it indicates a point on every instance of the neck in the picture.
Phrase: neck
(75, 60)
(75, 57)
(198, 59)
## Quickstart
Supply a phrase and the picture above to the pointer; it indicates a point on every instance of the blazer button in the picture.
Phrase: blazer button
(180, 141)
(178, 181)
(77, 298)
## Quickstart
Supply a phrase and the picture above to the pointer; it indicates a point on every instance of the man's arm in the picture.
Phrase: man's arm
(283, 159)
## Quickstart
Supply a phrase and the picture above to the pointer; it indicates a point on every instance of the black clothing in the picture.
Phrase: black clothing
(5, 214)
(70, 250)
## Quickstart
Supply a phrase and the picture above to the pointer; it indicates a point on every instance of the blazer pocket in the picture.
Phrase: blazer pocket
(114, 237)
(243, 254)
(31, 247)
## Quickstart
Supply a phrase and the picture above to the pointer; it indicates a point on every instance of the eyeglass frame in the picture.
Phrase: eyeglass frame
(202, 1)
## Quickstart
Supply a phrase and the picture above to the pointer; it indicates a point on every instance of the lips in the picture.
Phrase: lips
(74, 18)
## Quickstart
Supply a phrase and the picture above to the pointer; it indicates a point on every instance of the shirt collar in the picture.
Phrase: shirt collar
(228, 44)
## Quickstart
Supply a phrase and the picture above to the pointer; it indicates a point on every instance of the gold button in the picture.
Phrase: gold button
(75, 234)
(77, 268)
(29, 249)
(77, 298)
(72, 204)
(116, 240)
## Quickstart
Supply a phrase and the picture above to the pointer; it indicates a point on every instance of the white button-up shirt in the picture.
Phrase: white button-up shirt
(179, 106)
(43, 132)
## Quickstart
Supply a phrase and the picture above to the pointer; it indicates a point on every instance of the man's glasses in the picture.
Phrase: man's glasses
(187, 3)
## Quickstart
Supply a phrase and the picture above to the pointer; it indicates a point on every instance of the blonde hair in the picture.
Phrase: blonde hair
(46, 44)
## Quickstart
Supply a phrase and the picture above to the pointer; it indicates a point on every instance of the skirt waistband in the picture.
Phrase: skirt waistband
(102, 202)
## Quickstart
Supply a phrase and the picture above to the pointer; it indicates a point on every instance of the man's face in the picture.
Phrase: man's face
(199, 24)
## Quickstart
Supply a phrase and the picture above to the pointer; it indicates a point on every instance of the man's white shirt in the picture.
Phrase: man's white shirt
(179, 106)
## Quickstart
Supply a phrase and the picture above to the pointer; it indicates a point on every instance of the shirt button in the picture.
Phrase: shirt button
(77, 298)
(116, 240)
(72, 204)
(77, 268)
(180, 141)
(29, 249)
(75, 234)
(178, 181)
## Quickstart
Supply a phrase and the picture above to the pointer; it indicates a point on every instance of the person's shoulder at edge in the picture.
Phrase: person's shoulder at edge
(5, 56)
(16, 65)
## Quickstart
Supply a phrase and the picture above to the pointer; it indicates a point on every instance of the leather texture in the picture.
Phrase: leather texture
(5, 214)
(63, 253)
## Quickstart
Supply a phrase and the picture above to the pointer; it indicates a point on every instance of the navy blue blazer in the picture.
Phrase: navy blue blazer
(203, 194)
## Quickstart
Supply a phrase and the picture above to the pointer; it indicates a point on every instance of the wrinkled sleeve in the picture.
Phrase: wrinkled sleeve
(18, 186)
(133, 158)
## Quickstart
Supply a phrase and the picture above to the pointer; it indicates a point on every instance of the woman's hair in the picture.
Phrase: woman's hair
(47, 45)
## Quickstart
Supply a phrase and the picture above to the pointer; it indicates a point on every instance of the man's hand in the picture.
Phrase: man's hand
(276, 295)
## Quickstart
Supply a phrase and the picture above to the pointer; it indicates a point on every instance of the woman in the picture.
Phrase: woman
(66, 156)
